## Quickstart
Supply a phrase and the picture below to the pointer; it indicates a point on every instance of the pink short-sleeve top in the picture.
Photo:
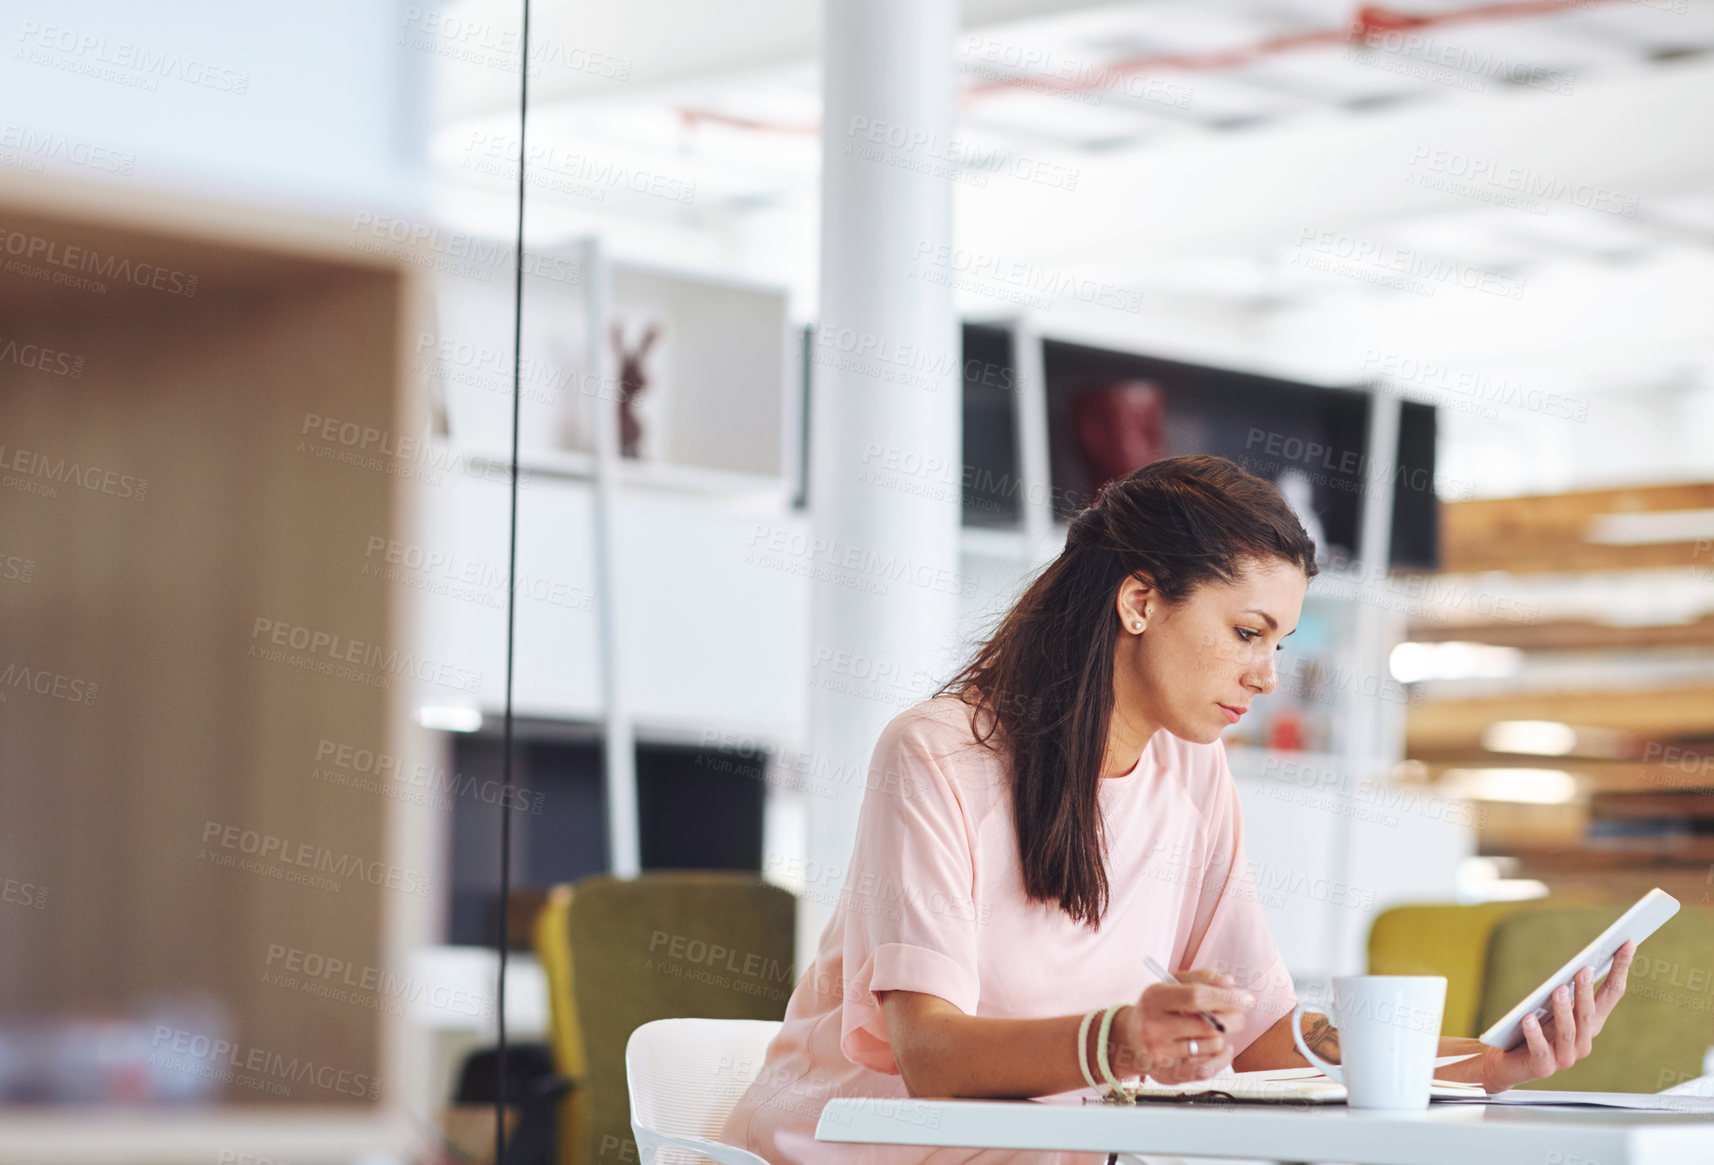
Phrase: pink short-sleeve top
(933, 901)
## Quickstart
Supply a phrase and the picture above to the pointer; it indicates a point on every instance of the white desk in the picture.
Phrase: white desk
(1446, 1134)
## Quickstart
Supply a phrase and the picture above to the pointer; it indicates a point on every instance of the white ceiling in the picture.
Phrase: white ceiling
(1258, 175)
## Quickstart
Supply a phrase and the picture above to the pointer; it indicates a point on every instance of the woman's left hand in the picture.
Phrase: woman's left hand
(1579, 1012)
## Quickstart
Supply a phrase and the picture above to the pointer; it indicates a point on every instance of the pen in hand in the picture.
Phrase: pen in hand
(1166, 976)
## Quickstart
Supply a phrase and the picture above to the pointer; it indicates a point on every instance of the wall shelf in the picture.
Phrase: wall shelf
(718, 408)
(574, 465)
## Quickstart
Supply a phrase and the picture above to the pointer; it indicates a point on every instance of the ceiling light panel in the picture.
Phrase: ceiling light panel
(1496, 55)
(1645, 25)
(1070, 120)
(1116, 51)
(1483, 236)
(1182, 26)
(1337, 75)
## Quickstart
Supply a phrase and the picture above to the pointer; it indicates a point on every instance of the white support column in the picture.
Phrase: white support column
(1034, 455)
(886, 458)
(619, 748)
(1364, 750)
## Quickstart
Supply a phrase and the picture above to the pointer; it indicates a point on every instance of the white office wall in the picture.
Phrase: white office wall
(459, 565)
(713, 625)
(318, 102)
(714, 621)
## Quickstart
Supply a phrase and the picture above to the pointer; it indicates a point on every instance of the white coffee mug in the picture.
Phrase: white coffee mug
(1389, 1033)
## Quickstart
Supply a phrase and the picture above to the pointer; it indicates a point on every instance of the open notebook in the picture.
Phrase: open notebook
(1283, 1086)
(1310, 1086)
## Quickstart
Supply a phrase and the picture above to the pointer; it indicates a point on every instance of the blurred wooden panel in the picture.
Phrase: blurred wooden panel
(1506, 826)
(1691, 771)
(1650, 806)
(232, 248)
(1622, 884)
(1614, 854)
(1570, 634)
(196, 509)
(1549, 532)
(1441, 727)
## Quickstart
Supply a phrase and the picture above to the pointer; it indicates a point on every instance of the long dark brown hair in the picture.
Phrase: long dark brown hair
(1045, 677)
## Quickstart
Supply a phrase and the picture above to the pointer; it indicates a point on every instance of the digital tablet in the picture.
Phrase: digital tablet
(1637, 923)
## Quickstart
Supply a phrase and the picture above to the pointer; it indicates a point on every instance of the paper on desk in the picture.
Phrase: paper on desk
(1311, 1085)
(1701, 1086)
(1649, 1101)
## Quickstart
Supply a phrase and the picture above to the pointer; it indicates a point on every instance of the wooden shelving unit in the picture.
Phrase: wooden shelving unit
(1601, 588)
(179, 502)
(1455, 726)
(718, 450)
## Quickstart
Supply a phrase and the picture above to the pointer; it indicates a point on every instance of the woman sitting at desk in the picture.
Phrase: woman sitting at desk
(1061, 810)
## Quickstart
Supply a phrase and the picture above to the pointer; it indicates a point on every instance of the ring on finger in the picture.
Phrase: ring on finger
(1193, 1049)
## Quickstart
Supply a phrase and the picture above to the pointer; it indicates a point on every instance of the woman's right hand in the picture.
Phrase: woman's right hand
(1153, 1035)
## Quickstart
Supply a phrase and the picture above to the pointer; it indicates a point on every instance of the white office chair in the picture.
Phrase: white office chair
(685, 1076)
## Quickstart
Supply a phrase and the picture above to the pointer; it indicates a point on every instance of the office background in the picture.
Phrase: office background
(810, 381)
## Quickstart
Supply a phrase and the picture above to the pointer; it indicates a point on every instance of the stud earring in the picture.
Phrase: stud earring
(1136, 626)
